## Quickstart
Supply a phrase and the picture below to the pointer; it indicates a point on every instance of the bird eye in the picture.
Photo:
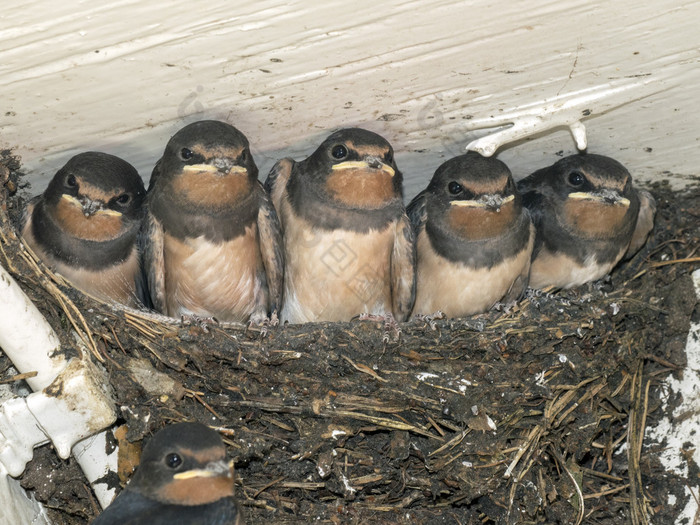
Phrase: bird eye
(455, 188)
(71, 181)
(244, 156)
(339, 152)
(576, 178)
(123, 199)
(186, 154)
(173, 460)
(389, 157)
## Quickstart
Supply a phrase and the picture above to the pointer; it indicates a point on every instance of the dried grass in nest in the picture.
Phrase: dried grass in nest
(510, 417)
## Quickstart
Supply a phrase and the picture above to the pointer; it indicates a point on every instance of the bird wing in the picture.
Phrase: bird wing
(276, 182)
(27, 212)
(127, 507)
(271, 248)
(150, 243)
(151, 239)
(645, 222)
(403, 269)
(519, 286)
(416, 212)
(534, 201)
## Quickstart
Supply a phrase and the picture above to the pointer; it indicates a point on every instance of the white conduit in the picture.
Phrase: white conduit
(71, 402)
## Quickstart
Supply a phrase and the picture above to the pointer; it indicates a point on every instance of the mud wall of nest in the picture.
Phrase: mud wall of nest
(531, 415)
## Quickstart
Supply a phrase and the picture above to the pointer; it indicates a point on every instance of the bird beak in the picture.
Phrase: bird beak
(364, 165)
(214, 469)
(90, 207)
(485, 201)
(218, 166)
(603, 196)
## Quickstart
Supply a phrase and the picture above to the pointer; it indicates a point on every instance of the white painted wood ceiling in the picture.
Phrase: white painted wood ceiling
(122, 76)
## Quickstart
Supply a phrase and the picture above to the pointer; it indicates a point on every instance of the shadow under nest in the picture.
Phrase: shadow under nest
(534, 415)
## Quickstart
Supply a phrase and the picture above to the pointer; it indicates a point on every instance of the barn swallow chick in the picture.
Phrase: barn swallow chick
(588, 217)
(348, 243)
(212, 242)
(473, 238)
(85, 226)
(183, 477)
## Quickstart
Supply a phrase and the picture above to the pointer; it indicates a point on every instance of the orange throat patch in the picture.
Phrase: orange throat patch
(594, 219)
(196, 491)
(477, 223)
(99, 227)
(358, 188)
(211, 189)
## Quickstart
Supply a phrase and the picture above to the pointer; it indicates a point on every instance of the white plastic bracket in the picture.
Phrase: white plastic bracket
(566, 110)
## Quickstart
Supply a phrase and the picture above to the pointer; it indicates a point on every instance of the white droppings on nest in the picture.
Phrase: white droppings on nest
(425, 375)
(539, 378)
(681, 428)
(322, 471)
(490, 422)
(346, 484)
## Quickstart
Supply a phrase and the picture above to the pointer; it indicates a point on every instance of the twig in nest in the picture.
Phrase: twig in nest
(532, 439)
(324, 412)
(18, 377)
(197, 396)
(265, 487)
(675, 261)
(635, 438)
(451, 443)
(365, 369)
(579, 493)
(119, 344)
(614, 490)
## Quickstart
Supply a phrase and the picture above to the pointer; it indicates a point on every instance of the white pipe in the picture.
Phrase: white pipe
(91, 454)
(20, 432)
(26, 337)
(16, 506)
(71, 401)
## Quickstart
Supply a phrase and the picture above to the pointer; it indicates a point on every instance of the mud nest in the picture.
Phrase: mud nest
(532, 415)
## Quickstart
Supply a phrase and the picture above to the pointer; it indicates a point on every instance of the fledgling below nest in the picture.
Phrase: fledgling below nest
(474, 239)
(85, 226)
(212, 244)
(183, 477)
(588, 217)
(348, 242)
